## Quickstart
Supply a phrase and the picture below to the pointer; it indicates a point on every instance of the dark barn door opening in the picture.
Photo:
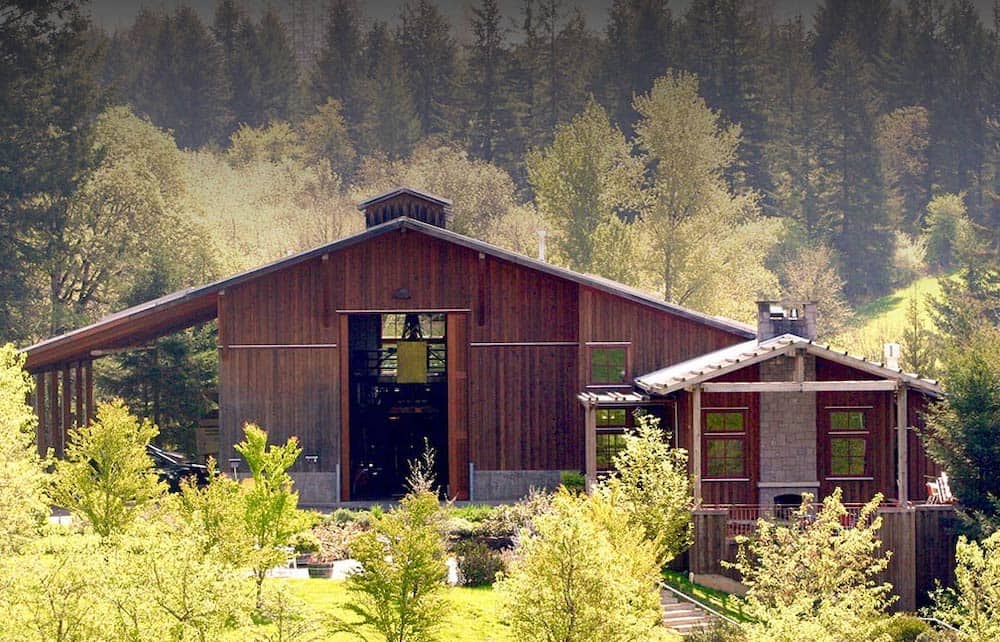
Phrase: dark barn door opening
(399, 400)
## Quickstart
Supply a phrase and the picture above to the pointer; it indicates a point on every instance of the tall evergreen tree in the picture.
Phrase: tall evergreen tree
(237, 40)
(490, 112)
(723, 44)
(391, 125)
(638, 36)
(867, 21)
(277, 68)
(48, 100)
(854, 201)
(339, 70)
(428, 51)
(795, 113)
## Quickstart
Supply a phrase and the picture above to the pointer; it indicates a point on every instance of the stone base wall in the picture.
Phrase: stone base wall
(511, 485)
(787, 432)
(316, 489)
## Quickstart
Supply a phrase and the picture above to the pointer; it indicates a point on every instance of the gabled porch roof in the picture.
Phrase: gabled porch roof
(706, 367)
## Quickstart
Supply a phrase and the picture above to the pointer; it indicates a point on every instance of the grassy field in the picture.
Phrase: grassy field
(884, 319)
(473, 612)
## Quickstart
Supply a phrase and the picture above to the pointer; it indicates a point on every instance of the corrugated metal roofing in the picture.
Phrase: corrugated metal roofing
(711, 365)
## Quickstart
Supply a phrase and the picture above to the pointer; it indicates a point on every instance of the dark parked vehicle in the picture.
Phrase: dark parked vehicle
(172, 469)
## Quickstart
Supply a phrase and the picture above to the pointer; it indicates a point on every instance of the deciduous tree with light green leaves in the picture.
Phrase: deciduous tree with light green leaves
(973, 604)
(23, 502)
(270, 506)
(815, 578)
(708, 241)
(585, 178)
(651, 487)
(584, 573)
(107, 479)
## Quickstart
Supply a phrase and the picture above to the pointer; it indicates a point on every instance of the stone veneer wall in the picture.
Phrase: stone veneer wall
(787, 432)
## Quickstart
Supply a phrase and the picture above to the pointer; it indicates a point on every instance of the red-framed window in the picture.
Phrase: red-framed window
(849, 434)
(609, 365)
(724, 446)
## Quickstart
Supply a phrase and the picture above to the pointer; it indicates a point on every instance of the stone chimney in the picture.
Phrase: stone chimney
(408, 202)
(775, 318)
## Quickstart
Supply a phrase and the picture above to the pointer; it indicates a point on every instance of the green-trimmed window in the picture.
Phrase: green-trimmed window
(847, 456)
(725, 449)
(847, 420)
(725, 458)
(608, 365)
(609, 444)
(724, 421)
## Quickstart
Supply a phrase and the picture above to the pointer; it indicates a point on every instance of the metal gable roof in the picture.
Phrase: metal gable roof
(709, 366)
(197, 304)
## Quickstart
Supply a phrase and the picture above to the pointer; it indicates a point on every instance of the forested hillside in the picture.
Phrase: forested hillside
(708, 153)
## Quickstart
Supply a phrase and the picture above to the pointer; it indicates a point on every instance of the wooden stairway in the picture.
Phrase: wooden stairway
(683, 616)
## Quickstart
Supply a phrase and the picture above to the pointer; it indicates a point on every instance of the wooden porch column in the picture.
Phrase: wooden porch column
(590, 444)
(53, 426)
(88, 384)
(67, 410)
(696, 441)
(344, 343)
(78, 394)
(40, 412)
(902, 447)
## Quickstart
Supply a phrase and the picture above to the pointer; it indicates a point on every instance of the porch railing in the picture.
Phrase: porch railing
(742, 519)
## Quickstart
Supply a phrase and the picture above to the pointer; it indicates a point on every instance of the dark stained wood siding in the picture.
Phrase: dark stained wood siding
(287, 392)
(521, 332)
(658, 338)
(732, 492)
(882, 452)
(523, 413)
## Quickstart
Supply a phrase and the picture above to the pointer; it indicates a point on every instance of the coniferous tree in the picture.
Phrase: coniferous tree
(795, 115)
(638, 36)
(339, 70)
(867, 21)
(278, 71)
(428, 53)
(490, 113)
(723, 44)
(48, 100)
(391, 125)
(854, 200)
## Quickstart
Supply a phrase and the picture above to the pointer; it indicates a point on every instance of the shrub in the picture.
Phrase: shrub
(903, 628)
(509, 519)
(573, 481)
(400, 591)
(478, 563)
(584, 574)
(334, 540)
(973, 605)
(652, 488)
(476, 513)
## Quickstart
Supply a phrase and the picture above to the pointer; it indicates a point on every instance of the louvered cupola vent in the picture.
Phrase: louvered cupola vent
(409, 202)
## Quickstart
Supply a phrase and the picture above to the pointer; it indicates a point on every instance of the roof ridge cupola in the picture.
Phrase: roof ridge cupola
(409, 202)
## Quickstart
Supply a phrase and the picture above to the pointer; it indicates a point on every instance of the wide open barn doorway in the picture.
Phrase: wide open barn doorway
(399, 400)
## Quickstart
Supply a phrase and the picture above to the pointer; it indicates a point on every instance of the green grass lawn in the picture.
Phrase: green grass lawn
(884, 319)
(473, 612)
(729, 605)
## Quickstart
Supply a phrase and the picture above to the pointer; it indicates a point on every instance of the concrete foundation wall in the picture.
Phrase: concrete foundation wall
(511, 485)
(787, 433)
(316, 489)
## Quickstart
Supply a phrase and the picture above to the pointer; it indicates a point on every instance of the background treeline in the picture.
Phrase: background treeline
(707, 153)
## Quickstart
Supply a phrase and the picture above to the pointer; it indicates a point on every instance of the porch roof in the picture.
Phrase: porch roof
(714, 364)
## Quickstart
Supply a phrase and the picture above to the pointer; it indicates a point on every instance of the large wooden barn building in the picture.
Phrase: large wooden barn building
(512, 369)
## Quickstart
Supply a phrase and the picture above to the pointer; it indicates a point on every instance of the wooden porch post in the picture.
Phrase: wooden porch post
(590, 445)
(78, 394)
(696, 441)
(344, 343)
(53, 438)
(40, 432)
(902, 447)
(88, 374)
(67, 410)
